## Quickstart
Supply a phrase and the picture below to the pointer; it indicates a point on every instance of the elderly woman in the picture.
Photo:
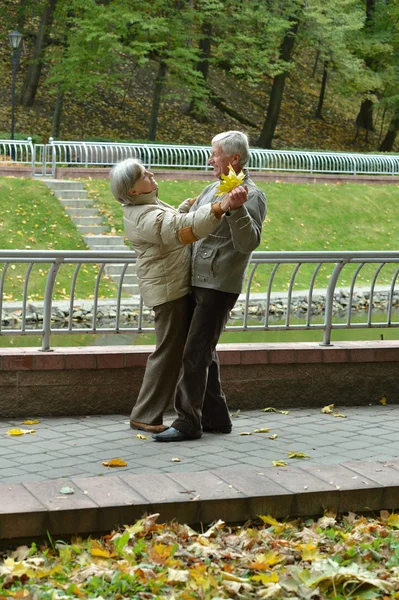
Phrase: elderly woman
(161, 237)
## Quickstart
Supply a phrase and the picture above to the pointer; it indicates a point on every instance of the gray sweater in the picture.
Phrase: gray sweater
(220, 260)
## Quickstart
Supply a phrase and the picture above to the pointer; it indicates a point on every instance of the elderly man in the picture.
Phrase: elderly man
(218, 265)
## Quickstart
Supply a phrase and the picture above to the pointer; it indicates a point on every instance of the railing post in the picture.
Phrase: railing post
(33, 154)
(47, 304)
(330, 302)
(53, 157)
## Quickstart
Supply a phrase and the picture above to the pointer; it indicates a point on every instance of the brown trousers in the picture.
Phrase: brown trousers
(163, 366)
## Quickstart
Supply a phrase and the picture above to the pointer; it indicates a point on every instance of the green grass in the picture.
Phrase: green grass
(300, 217)
(311, 217)
(31, 218)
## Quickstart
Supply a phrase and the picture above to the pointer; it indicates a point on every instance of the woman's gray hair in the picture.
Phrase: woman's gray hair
(233, 142)
(124, 177)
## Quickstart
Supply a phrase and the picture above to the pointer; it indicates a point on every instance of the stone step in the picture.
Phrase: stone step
(116, 269)
(132, 289)
(76, 203)
(95, 229)
(89, 220)
(63, 184)
(81, 212)
(109, 248)
(67, 194)
(127, 280)
(104, 240)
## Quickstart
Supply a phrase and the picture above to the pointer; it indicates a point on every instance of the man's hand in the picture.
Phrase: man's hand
(235, 199)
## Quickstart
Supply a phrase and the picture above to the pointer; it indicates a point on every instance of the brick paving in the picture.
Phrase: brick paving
(76, 446)
(353, 465)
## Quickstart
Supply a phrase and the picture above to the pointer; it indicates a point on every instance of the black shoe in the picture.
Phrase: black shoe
(172, 435)
(222, 429)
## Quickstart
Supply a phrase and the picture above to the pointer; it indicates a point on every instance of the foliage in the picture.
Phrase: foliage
(352, 557)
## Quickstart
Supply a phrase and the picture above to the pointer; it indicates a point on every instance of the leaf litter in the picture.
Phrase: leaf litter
(351, 557)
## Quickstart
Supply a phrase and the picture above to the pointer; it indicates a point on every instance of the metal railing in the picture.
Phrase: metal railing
(44, 158)
(275, 261)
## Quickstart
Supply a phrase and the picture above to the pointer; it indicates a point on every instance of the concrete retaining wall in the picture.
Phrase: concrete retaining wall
(79, 381)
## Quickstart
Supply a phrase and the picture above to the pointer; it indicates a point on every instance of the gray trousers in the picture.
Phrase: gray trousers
(163, 366)
(199, 395)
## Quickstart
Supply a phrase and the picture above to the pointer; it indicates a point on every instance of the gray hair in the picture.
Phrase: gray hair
(124, 176)
(233, 142)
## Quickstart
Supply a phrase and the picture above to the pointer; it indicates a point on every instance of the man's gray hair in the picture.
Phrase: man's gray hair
(233, 142)
(124, 176)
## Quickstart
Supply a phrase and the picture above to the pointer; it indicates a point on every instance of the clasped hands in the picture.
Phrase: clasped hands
(234, 199)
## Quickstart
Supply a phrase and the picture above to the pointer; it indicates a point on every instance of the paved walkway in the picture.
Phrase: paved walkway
(77, 446)
(353, 464)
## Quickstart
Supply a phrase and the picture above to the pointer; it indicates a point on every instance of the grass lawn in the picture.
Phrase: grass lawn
(302, 217)
(31, 218)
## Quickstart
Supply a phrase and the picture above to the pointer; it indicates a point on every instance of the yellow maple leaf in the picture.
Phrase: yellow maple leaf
(269, 520)
(245, 433)
(393, 520)
(310, 552)
(265, 561)
(273, 437)
(285, 412)
(230, 181)
(266, 578)
(140, 436)
(268, 409)
(327, 409)
(383, 401)
(341, 415)
(279, 463)
(115, 462)
(294, 454)
(30, 422)
(262, 430)
(20, 431)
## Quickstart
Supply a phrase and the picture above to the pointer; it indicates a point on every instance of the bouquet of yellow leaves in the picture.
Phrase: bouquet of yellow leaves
(230, 181)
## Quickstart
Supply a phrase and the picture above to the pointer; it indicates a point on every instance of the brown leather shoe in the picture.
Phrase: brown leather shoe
(148, 428)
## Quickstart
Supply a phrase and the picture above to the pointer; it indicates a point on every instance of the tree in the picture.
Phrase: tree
(36, 63)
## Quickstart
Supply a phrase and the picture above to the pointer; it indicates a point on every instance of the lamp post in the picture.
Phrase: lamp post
(15, 39)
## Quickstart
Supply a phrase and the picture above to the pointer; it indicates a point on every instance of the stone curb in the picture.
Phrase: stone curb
(100, 504)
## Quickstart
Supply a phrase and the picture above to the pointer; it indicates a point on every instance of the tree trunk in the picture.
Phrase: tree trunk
(389, 139)
(57, 115)
(35, 66)
(316, 62)
(156, 101)
(364, 119)
(319, 110)
(205, 46)
(276, 95)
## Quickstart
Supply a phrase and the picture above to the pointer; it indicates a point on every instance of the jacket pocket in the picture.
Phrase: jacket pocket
(206, 262)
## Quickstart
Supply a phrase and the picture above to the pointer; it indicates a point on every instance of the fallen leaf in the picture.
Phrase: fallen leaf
(176, 459)
(246, 433)
(262, 430)
(273, 437)
(115, 462)
(140, 436)
(293, 454)
(285, 412)
(279, 463)
(266, 578)
(66, 490)
(30, 422)
(20, 431)
(269, 409)
(383, 401)
(393, 520)
(339, 415)
(327, 409)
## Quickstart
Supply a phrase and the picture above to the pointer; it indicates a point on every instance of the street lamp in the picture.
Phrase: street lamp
(15, 39)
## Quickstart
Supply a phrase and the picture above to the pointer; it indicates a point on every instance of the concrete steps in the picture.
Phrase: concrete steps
(90, 224)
